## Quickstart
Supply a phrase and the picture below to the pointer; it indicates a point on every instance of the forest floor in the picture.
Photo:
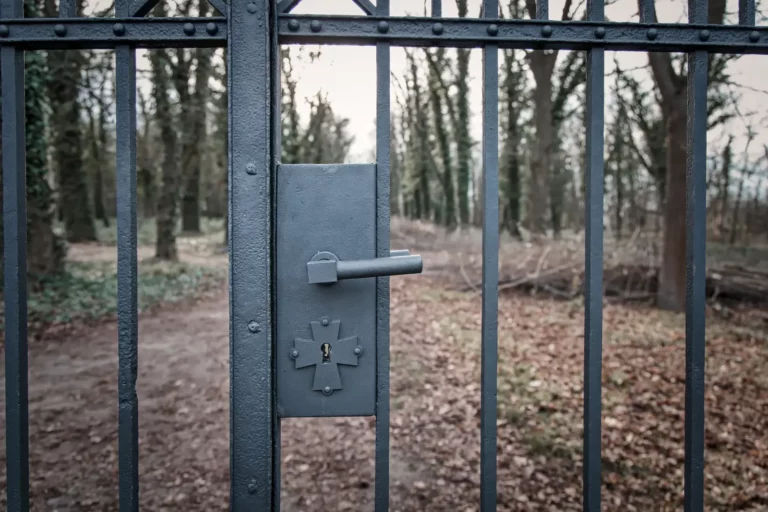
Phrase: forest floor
(327, 464)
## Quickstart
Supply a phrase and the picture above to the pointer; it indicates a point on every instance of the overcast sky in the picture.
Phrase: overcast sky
(347, 74)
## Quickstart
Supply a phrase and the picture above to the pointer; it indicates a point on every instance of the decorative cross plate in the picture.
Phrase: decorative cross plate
(325, 351)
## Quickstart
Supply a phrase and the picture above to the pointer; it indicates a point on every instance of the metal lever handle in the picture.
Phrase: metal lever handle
(325, 267)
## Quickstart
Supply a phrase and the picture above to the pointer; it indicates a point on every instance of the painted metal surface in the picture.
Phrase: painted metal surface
(127, 273)
(324, 209)
(15, 269)
(251, 50)
(593, 259)
(344, 339)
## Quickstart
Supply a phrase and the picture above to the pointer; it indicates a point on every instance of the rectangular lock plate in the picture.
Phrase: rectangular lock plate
(325, 333)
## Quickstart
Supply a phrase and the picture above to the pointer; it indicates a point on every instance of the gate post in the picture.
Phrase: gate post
(250, 58)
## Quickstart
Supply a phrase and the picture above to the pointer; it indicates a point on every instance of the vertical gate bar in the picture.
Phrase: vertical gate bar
(647, 11)
(695, 290)
(15, 269)
(67, 9)
(542, 10)
(381, 492)
(490, 297)
(437, 8)
(127, 268)
(593, 256)
(747, 12)
(276, 156)
(251, 44)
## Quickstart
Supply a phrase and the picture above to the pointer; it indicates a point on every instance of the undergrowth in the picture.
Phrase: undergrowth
(88, 291)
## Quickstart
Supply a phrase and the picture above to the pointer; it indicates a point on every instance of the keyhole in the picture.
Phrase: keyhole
(326, 349)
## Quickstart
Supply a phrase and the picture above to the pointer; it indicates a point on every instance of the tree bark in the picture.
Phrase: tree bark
(190, 216)
(165, 245)
(64, 68)
(45, 251)
(541, 65)
(672, 89)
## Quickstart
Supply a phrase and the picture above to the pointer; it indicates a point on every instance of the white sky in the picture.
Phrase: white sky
(347, 74)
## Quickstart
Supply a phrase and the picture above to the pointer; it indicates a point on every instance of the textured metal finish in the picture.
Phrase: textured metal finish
(127, 280)
(577, 35)
(326, 351)
(695, 297)
(383, 68)
(98, 33)
(437, 8)
(250, 59)
(330, 269)
(329, 208)
(747, 12)
(593, 257)
(15, 276)
(490, 297)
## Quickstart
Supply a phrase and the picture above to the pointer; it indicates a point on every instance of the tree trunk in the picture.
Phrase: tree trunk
(736, 212)
(165, 245)
(190, 216)
(541, 158)
(45, 251)
(671, 289)
(441, 130)
(75, 205)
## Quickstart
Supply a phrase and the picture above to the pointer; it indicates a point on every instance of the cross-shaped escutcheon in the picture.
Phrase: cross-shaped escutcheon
(326, 351)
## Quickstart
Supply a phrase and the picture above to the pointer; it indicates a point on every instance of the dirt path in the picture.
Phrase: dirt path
(183, 388)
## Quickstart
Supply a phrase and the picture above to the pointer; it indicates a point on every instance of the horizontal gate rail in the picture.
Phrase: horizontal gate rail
(574, 35)
(106, 33)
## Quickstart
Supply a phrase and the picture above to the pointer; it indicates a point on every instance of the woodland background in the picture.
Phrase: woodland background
(437, 209)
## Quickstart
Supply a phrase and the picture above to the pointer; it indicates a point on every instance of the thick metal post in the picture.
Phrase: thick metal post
(252, 415)
(127, 272)
(593, 258)
(490, 297)
(15, 277)
(382, 283)
(696, 262)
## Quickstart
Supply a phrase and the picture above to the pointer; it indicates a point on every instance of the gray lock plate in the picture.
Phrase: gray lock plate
(325, 208)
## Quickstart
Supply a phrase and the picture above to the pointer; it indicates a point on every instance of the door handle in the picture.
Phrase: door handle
(326, 268)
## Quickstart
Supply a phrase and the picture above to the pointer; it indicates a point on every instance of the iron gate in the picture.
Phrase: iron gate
(251, 30)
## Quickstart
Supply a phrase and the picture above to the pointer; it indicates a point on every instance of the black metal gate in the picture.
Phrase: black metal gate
(251, 31)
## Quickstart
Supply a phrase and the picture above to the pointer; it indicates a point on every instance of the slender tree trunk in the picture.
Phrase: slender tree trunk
(190, 216)
(541, 160)
(671, 289)
(45, 251)
(441, 130)
(165, 246)
(736, 212)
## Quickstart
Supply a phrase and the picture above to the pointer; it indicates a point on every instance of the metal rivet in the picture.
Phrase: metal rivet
(60, 30)
(651, 34)
(250, 168)
(4, 31)
(252, 487)
(254, 326)
(754, 36)
(252, 7)
(383, 27)
(211, 28)
(437, 28)
(118, 29)
(327, 390)
(600, 32)
(546, 30)
(493, 29)
(315, 26)
(294, 354)
(325, 322)
(704, 35)
(293, 25)
(358, 351)
(189, 29)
